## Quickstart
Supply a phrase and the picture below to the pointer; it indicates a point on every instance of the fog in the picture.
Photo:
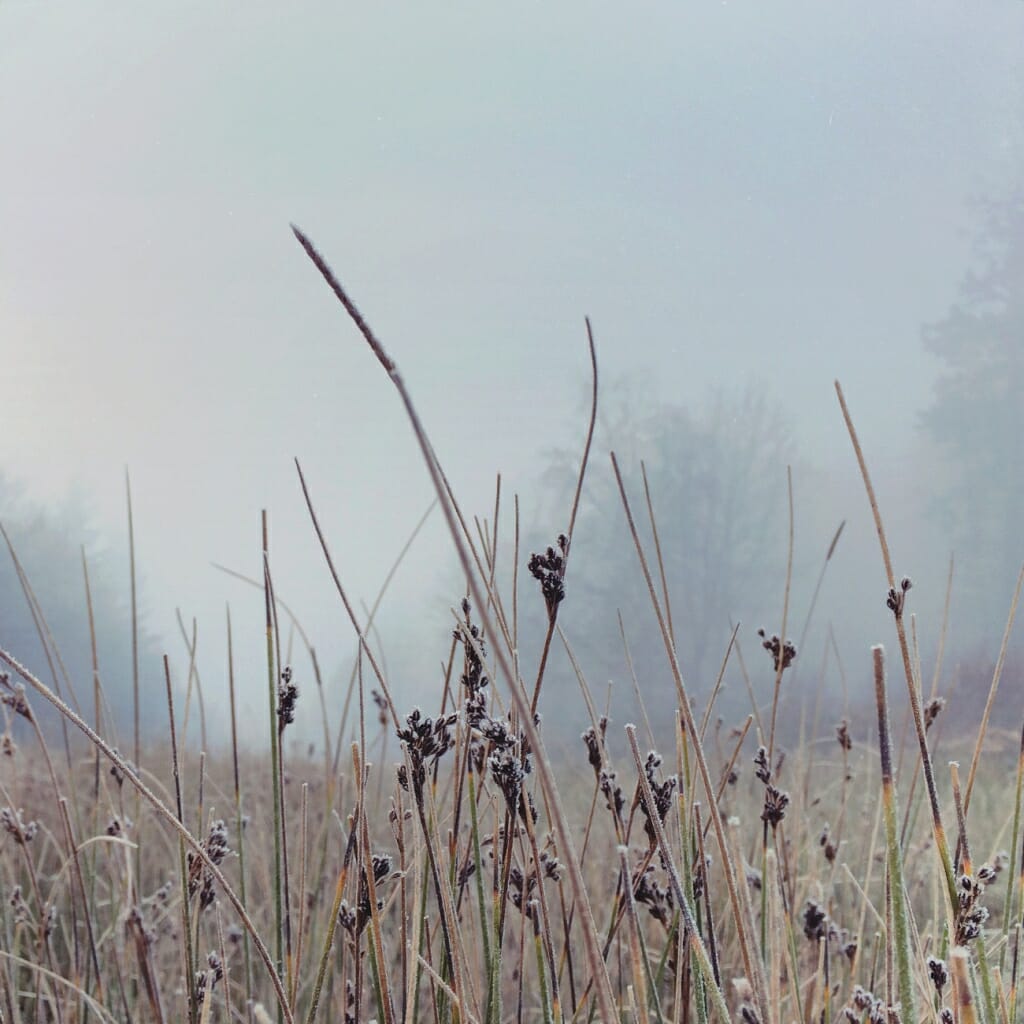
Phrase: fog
(742, 198)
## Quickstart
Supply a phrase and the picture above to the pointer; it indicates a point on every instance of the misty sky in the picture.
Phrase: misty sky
(780, 193)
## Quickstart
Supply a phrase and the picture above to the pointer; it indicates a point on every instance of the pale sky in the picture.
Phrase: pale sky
(732, 192)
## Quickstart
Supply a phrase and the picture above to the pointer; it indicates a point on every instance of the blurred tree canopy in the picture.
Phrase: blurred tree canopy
(976, 419)
(51, 545)
(717, 479)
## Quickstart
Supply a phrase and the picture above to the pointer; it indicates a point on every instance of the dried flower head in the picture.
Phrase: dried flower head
(549, 570)
(861, 999)
(775, 803)
(612, 791)
(473, 677)
(593, 740)
(657, 898)
(987, 874)
(843, 735)
(783, 652)
(932, 710)
(13, 824)
(815, 920)
(748, 1014)
(507, 771)
(211, 977)
(13, 696)
(896, 598)
(354, 919)
(117, 774)
(287, 698)
(829, 848)
(939, 973)
(16, 901)
(427, 740)
(215, 845)
(971, 915)
(761, 767)
(662, 793)
(380, 701)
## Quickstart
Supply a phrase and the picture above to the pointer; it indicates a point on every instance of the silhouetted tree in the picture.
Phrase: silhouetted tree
(977, 418)
(718, 487)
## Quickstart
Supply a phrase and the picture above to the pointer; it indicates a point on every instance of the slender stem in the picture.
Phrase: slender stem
(901, 936)
(544, 769)
(941, 843)
(781, 668)
(190, 967)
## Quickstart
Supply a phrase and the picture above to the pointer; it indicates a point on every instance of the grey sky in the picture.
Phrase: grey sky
(776, 192)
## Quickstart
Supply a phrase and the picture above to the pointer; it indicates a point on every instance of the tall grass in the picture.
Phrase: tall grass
(482, 876)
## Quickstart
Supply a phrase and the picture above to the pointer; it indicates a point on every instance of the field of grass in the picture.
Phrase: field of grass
(445, 866)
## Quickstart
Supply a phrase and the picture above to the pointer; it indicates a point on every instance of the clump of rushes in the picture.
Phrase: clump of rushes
(468, 835)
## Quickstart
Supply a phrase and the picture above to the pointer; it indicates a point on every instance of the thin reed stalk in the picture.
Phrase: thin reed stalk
(897, 599)
(900, 935)
(544, 770)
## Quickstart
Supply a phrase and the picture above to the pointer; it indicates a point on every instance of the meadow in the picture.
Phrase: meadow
(447, 864)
